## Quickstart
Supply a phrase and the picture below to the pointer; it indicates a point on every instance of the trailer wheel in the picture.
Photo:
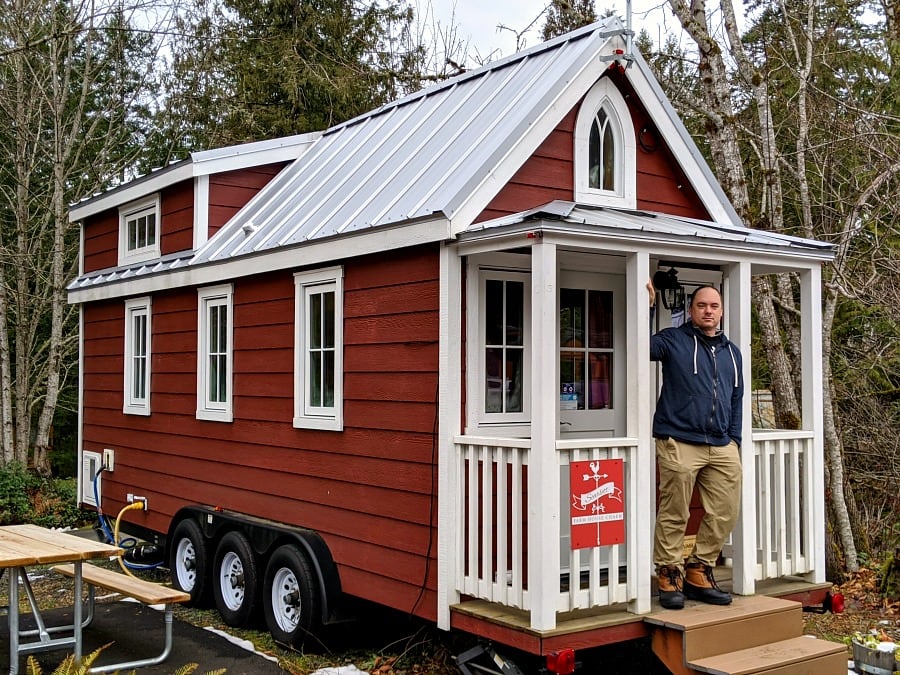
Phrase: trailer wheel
(235, 580)
(290, 597)
(189, 562)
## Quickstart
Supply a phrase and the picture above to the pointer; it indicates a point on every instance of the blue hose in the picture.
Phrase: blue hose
(126, 543)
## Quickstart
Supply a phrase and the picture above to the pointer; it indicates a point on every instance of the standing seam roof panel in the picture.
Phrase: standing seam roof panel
(421, 156)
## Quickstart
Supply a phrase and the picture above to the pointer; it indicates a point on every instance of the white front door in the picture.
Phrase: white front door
(591, 375)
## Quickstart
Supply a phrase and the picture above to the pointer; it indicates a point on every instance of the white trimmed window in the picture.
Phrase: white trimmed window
(605, 171)
(139, 231)
(137, 357)
(499, 394)
(214, 353)
(319, 349)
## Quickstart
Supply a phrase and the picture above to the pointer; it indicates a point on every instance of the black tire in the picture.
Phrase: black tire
(291, 597)
(236, 580)
(189, 562)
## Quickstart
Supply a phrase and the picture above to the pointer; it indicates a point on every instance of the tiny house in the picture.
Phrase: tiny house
(406, 359)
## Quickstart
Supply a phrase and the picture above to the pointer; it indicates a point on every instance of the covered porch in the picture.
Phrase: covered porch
(504, 537)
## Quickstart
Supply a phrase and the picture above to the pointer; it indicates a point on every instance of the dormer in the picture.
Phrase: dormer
(175, 210)
(605, 171)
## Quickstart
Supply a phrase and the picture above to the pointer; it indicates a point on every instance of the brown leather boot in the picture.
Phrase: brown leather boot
(699, 584)
(668, 582)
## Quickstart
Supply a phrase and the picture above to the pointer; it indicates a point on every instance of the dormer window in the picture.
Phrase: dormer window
(604, 149)
(139, 231)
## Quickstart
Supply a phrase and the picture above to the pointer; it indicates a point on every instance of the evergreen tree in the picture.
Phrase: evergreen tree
(564, 16)
(248, 70)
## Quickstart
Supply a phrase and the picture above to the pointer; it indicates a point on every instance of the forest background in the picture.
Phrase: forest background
(798, 114)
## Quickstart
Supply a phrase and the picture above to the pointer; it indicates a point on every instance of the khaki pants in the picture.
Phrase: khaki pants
(716, 470)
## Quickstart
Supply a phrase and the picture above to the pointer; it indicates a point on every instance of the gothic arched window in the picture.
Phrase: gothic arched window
(604, 149)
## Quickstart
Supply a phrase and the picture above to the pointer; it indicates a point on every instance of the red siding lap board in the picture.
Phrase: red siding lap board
(231, 190)
(366, 490)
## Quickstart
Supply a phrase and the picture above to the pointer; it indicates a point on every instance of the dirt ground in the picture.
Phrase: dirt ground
(864, 610)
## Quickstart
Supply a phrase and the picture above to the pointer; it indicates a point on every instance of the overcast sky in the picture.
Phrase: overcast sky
(477, 20)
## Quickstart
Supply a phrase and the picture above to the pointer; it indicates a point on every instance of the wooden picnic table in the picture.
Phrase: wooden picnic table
(23, 546)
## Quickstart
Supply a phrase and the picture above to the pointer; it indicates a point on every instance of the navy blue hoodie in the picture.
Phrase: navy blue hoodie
(702, 387)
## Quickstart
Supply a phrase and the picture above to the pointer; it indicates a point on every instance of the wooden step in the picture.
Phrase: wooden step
(804, 655)
(701, 630)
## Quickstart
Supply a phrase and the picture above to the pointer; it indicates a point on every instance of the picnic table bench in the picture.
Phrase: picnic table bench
(146, 592)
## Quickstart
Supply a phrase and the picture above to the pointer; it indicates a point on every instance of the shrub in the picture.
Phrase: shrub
(28, 498)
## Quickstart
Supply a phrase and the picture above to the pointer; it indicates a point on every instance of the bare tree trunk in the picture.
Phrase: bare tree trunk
(843, 528)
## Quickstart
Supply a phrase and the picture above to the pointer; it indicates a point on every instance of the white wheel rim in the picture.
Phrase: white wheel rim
(186, 565)
(231, 581)
(286, 605)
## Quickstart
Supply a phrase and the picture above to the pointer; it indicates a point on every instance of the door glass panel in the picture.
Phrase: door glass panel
(600, 381)
(571, 376)
(600, 322)
(585, 369)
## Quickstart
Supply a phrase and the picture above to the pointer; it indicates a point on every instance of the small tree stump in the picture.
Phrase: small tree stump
(890, 577)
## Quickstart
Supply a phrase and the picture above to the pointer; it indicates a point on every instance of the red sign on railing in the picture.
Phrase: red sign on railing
(597, 510)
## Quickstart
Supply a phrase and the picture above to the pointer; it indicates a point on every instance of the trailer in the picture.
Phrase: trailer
(404, 359)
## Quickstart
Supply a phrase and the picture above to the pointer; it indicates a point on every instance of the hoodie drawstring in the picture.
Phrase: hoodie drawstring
(733, 362)
(695, 354)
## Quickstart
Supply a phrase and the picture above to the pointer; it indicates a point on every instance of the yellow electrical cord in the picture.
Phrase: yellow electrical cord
(128, 507)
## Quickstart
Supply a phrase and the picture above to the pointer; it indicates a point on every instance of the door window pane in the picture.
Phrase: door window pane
(585, 369)
(504, 345)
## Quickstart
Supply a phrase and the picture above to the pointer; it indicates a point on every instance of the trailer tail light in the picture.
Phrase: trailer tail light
(835, 603)
(561, 662)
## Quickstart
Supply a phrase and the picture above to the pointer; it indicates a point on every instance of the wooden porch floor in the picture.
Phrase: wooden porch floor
(592, 628)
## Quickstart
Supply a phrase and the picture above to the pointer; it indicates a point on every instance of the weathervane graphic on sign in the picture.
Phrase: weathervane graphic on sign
(598, 517)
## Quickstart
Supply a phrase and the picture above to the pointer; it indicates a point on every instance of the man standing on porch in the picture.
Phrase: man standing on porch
(697, 427)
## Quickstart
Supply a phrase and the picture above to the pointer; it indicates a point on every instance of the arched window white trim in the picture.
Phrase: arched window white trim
(605, 106)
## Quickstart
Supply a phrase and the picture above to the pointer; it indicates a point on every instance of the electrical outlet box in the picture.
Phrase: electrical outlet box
(109, 459)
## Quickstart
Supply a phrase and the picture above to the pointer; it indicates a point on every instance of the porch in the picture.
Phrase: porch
(505, 558)
(598, 591)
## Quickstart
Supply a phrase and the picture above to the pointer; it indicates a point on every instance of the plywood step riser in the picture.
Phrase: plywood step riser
(742, 633)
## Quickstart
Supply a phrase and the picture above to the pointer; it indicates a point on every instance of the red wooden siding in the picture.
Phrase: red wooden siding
(367, 490)
(101, 241)
(231, 190)
(549, 173)
(177, 218)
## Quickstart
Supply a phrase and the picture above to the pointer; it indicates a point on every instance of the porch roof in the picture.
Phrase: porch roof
(630, 224)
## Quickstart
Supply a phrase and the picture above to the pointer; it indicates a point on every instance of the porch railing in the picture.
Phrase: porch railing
(492, 546)
(784, 502)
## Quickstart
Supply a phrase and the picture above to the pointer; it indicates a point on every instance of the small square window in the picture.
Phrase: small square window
(319, 350)
(139, 231)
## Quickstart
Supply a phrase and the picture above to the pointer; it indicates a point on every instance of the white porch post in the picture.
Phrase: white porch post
(543, 468)
(638, 423)
(737, 312)
(811, 373)
(449, 406)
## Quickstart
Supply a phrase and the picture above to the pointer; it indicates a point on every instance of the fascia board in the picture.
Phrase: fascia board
(311, 253)
(242, 156)
(140, 187)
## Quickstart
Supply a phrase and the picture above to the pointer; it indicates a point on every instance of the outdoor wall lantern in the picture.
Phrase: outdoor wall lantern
(671, 291)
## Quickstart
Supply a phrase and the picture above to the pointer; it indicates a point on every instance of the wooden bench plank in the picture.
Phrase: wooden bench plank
(148, 592)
